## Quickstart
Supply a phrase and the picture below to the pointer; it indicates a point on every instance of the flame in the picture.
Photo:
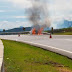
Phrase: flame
(33, 31)
(39, 32)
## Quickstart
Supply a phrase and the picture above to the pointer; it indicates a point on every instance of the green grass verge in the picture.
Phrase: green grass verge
(63, 33)
(20, 57)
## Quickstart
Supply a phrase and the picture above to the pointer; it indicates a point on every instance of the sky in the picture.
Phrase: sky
(13, 12)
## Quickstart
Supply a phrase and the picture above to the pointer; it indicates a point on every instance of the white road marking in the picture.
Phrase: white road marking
(63, 39)
(48, 46)
(69, 39)
(27, 38)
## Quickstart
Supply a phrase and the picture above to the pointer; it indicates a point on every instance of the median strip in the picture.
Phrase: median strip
(1, 56)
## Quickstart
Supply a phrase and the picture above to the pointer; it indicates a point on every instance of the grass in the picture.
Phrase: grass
(21, 57)
(63, 33)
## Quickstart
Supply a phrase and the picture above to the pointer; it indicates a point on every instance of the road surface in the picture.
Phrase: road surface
(61, 44)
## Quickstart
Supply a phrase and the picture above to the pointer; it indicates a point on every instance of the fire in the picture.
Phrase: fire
(33, 31)
(39, 31)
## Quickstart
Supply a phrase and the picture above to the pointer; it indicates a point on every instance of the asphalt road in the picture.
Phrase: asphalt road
(61, 44)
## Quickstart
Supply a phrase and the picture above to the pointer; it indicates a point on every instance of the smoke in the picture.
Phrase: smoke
(39, 15)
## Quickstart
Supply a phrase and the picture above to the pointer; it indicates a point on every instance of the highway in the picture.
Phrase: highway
(61, 44)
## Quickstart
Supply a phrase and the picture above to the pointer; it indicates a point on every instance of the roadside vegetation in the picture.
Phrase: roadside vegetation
(21, 57)
(63, 31)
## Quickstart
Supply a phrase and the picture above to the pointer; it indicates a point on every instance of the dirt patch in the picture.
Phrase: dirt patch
(55, 64)
(63, 69)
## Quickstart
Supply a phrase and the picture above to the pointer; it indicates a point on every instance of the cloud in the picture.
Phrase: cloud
(21, 3)
(63, 5)
(19, 16)
(14, 17)
(25, 3)
(2, 11)
(9, 25)
(58, 10)
(60, 7)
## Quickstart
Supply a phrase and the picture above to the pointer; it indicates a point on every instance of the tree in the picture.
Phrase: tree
(3, 30)
(24, 28)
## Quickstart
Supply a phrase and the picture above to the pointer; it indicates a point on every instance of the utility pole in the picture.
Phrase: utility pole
(52, 30)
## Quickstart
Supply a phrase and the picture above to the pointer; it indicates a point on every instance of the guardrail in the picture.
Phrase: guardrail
(25, 32)
(13, 33)
(1, 57)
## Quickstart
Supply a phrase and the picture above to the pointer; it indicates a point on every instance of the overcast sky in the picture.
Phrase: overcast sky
(13, 12)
